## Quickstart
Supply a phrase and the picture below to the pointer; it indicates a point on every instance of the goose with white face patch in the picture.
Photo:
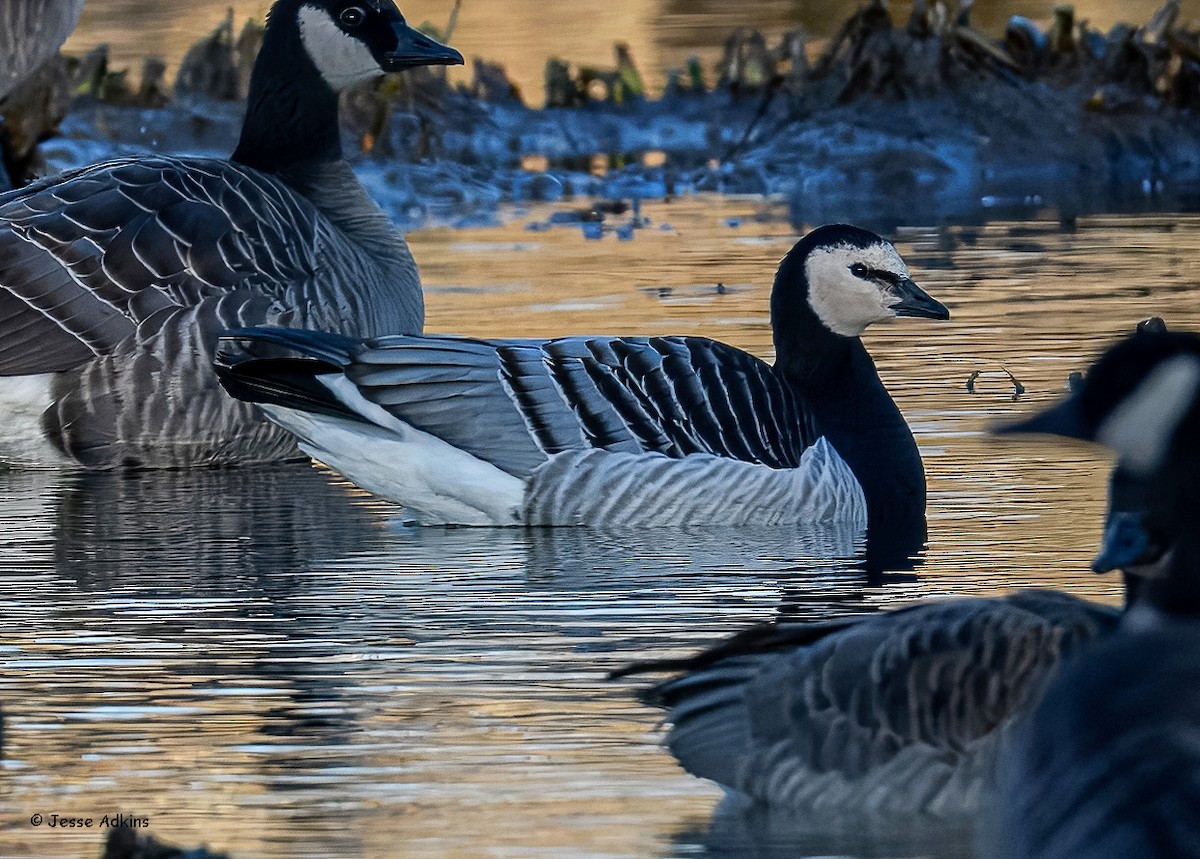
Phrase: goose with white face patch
(618, 431)
(892, 716)
(115, 279)
(1108, 764)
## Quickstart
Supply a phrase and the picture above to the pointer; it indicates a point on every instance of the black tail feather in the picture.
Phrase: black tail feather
(282, 366)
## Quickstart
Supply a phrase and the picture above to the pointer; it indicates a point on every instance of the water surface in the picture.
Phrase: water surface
(522, 35)
(273, 663)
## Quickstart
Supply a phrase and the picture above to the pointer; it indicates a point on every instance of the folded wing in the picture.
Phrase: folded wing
(87, 259)
(514, 403)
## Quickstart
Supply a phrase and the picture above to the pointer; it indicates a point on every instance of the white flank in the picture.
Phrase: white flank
(340, 58)
(23, 400)
(1140, 429)
(439, 483)
(847, 304)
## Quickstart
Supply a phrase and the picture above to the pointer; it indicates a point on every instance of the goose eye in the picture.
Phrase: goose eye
(858, 270)
(353, 16)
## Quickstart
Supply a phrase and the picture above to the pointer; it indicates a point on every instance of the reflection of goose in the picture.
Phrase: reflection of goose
(189, 529)
(741, 830)
(898, 713)
(31, 32)
(116, 278)
(1109, 762)
(618, 430)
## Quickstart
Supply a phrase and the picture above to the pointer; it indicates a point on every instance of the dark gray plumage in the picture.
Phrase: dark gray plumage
(515, 403)
(898, 713)
(1108, 765)
(579, 430)
(116, 278)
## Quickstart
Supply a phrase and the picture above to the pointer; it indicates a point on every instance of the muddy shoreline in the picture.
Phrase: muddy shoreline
(915, 122)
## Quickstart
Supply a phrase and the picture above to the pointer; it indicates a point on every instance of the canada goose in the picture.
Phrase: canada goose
(617, 430)
(31, 32)
(890, 714)
(1108, 764)
(116, 278)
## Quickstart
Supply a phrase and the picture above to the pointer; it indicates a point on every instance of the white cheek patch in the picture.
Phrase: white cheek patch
(341, 59)
(1140, 429)
(844, 303)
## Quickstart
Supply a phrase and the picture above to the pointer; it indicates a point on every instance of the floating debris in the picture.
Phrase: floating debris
(1018, 388)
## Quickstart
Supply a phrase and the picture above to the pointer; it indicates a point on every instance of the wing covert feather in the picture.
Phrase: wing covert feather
(87, 257)
(515, 402)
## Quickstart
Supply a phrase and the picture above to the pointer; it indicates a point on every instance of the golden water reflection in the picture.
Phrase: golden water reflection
(270, 663)
(522, 35)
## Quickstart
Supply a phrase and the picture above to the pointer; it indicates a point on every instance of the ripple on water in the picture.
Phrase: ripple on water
(273, 663)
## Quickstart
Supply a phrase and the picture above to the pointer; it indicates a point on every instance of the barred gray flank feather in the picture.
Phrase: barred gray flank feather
(120, 276)
(31, 32)
(116, 278)
(603, 429)
(653, 489)
(896, 713)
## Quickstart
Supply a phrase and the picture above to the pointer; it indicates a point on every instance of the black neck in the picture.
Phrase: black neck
(1174, 497)
(1131, 587)
(1177, 591)
(291, 112)
(836, 379)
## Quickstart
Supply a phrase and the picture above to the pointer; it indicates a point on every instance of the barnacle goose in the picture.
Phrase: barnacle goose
(115, 279)
(617, 430)
(31, 32)
(889, 715)
(1108, 764)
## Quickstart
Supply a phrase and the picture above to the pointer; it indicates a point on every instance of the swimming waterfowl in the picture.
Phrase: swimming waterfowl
(617, 430)
(894, 714)
(1108, 764)
(116, 278)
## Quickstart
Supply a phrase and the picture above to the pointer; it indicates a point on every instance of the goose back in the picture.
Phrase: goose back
(896, 713)
(515, 403)
(599, 430)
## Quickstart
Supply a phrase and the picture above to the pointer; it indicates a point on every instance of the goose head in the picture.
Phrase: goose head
(351, 41)
(849, 278)
(311, 51)
(1130, 543)
(1142, 400)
